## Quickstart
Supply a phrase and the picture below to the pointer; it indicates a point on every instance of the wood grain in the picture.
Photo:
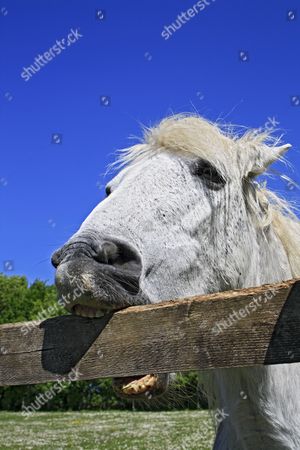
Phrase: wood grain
(177, 335)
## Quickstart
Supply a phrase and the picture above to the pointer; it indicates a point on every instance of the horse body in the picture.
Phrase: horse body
(184, 217)
(261, 405)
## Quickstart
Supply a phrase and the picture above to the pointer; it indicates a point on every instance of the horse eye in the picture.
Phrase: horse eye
(205, 170)
(107, 191)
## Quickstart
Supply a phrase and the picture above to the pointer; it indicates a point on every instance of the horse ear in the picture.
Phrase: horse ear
(265, 156)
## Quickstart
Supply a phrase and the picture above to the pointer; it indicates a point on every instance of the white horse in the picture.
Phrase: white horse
(185, 216)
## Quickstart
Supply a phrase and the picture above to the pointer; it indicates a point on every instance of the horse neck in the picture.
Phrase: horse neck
(259, 405)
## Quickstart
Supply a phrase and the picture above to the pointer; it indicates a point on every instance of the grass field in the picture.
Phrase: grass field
(109, 430)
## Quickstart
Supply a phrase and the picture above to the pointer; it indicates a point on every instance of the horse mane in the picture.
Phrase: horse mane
(287, 227)
(221, 145)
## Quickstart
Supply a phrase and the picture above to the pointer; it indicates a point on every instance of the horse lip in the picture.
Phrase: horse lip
(86, 282)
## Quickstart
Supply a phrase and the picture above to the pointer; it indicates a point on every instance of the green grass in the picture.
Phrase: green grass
(107, 430)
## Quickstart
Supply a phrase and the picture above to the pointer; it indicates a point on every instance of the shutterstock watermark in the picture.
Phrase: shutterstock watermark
(235, 316)
(220, 415)
(270, 125)
(44, 314)
(63, 301)
(43, 398)
(42, 60)
(184, 17)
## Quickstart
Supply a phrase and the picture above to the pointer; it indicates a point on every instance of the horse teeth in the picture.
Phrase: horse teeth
(140, 386)
(87, 311)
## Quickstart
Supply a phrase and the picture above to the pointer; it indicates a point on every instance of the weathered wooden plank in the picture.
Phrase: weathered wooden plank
(262, 327)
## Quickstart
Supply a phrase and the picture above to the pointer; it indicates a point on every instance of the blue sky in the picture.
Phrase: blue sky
(236, 61)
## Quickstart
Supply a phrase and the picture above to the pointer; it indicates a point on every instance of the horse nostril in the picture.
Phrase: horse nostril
(108, 253)
(125, 262)
(119, 255)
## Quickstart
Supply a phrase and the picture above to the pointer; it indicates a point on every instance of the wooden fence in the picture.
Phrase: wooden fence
(247, 327)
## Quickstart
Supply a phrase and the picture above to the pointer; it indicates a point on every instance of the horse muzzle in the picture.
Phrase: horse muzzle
(95, 277)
